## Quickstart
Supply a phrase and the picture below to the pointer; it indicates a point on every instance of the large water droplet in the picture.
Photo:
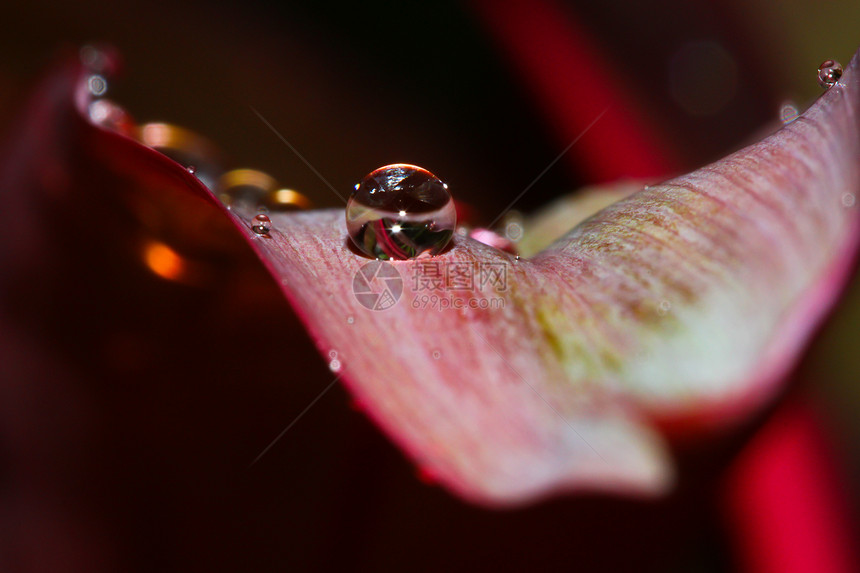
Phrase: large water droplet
(829, 73)
(399, 212)
(261, 224)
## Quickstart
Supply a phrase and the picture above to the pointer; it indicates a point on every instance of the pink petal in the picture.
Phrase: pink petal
(681, 306)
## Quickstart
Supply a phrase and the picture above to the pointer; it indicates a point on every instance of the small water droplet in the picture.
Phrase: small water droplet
(97, 85)
(788, 112)
(350, 319)
(437, 355)
(518, 258)
(849, 199)
(262, 224)
(665, 307)
(334, 364)
(400, 211)
(191, 169)
(829, 73)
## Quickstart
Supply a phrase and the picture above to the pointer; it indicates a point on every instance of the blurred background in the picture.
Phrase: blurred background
(137, 457)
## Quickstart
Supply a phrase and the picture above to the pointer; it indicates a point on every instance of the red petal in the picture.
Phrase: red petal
(689, 300)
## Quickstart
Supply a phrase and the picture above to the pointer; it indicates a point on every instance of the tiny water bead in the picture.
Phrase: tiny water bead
(334, 364)
(261, 224)
(400, 211)
(788, 112)
(829, 73)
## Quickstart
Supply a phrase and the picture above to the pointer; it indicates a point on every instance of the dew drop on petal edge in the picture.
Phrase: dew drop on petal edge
(400, 211)
(829, 73)
(261, 224)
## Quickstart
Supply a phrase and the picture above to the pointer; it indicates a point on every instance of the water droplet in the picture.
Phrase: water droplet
(191, 169)
(788, 112)
(437, 355)
(665, 307)
(350, 319)
(261, 224)
(97, 85)
(849, 199)
(829, 73)
(334, 364)
(399, 212)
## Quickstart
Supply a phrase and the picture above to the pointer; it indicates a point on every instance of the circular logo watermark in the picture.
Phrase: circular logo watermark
(377, 285)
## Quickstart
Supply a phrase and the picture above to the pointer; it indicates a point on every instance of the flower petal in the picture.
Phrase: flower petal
(686, 302)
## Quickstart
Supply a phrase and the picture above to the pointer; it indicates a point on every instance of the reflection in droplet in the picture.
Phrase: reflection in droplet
(97, 85)
(400, 212)
(788, 112)
(849, 199)
(261, 224)
(703, 77)
(829, 73)
(191, 169)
